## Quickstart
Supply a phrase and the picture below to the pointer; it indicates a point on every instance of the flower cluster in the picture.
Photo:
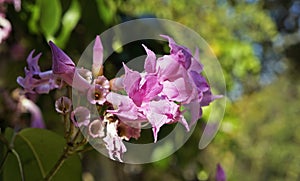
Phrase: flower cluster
(169, 86)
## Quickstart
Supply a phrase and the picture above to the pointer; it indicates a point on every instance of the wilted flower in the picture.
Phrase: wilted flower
(63, 105)
(113, 142)
(81, 116)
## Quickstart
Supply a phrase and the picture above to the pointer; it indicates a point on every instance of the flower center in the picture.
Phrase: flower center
(98, 95)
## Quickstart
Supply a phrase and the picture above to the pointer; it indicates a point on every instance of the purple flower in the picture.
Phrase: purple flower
(81, 116)
(220, 174)
(36, 81)
(64, 68)
(62, 65)
(63, 105)
(36, 114)
(182, 54)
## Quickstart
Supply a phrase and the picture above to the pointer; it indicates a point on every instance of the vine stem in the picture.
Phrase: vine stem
(58, 164)
(69, 149)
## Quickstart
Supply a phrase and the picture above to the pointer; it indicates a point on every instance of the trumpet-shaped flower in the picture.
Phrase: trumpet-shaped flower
(63, 105)
(64, 68)
(36, 81)
(81, 116)
(96, 129)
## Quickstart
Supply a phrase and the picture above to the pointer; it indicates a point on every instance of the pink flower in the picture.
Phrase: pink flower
(97, 94)
(5, 27)
(138, 89)
(98, 91)
(182, 54)
(63, 105)
(168, 83)
(125, 108)
(97, 57)
(164, 112)
(81, 116)
(172, 75)
(96, 129)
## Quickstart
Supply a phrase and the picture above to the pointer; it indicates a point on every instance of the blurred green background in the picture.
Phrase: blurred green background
(257, 43)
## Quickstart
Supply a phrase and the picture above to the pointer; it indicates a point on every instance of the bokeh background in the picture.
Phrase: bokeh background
(257, 43)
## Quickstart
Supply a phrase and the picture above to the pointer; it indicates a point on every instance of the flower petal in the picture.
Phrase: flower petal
(61, 62)
(150, 62)
(97, 57)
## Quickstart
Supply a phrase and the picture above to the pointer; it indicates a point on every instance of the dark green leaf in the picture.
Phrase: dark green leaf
(39, 150)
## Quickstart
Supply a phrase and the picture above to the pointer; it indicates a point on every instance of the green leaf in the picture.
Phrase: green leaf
(106, 10)
(69, 21)
(50, 17)
(39, 150)
(35, 15)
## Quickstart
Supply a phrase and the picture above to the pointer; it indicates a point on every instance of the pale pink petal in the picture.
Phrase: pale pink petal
(97, 57)
(150, 61)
